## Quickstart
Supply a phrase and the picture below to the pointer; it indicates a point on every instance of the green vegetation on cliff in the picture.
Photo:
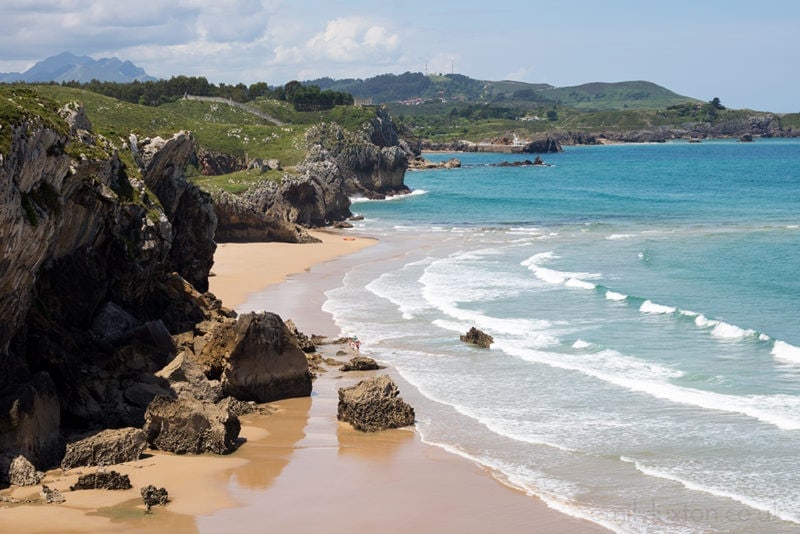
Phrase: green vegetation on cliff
(20, 103)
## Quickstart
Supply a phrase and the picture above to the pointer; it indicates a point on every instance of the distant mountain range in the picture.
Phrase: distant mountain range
(67, 67)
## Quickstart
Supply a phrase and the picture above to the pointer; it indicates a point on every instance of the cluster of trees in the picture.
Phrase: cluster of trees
(154, 93)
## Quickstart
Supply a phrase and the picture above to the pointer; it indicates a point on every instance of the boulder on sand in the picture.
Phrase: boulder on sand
(188, 425)
(108, 447)
(374, 404)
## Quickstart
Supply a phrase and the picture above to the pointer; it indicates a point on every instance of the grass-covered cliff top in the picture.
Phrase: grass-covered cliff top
(218, 127)
(18, 104)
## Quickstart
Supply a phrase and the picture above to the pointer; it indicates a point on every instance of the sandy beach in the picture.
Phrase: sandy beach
(300, 470)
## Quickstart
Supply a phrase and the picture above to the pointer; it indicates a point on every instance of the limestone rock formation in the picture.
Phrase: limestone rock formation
(238, 221)
(163, 164)
(313, 199)
(107, 447)
(368, 169)
(187, 425)
(373, 405)
(477, 337)
(256, 359)
(107, 480)
(420, 163)
(19, 471)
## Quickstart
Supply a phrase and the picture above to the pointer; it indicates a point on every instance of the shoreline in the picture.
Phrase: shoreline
(299, 467)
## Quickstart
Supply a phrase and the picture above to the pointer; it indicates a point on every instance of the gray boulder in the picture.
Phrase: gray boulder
(373, 405)
(108, 447)
(188, 425)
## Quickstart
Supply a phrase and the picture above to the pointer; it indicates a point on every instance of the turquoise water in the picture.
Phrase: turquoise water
(643, 299)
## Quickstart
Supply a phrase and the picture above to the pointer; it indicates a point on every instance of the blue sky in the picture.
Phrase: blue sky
(745, 53)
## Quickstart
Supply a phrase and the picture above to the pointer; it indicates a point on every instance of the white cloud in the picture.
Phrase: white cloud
(351, 39)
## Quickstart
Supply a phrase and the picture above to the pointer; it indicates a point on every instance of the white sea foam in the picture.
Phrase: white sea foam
(782, 411)
(552, 276)
(785, 352)
(649, 306)
(704, 322)
(613, 295)
(614, 237)
(414, 193)
(579, 284)
(581, 344)
(695, 486)
(729, 331)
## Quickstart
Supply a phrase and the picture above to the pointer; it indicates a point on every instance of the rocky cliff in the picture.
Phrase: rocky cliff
(106, 252)
(339, 163)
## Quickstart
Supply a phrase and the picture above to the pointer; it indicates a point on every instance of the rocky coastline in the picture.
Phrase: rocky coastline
(106, 322)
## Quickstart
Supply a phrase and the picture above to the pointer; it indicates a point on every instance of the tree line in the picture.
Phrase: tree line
(154, 93)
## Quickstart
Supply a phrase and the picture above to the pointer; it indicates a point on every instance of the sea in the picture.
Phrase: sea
(644, 301)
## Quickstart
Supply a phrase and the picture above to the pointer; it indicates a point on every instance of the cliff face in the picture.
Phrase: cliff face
(102, 277)
(371, 163)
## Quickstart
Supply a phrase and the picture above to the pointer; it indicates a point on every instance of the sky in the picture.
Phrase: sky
(743, 52)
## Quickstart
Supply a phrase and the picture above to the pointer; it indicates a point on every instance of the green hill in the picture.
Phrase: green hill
(415, 86)
(600, 96)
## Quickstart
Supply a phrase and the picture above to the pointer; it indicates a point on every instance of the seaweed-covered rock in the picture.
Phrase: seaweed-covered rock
(108, 447)
(373, 405)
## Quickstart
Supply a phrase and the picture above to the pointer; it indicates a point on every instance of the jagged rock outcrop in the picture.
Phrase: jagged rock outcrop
(239, 221)
(477, 337)
(107, 480)
(163, 164)
(256, 359)
(372, 162)
(314, 199)
(213, 164)
(187, 425)
(420, 163)
(19, 471)
(108, 447)
(373, 405)
(305, 343)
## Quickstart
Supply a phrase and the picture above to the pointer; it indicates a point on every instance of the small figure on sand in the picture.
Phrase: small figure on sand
(355, 344)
